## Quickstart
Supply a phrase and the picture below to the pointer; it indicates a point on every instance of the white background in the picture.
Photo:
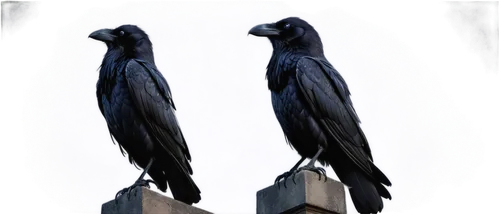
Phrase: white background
(216, 74)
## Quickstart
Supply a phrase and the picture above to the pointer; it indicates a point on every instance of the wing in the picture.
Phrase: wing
(151, 95)
(99, 94)
(327, 95)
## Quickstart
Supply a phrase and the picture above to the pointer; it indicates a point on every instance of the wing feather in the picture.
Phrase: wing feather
(327, 96)
(101, 108)
(151, 95)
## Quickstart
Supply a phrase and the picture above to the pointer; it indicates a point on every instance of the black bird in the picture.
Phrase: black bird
(312, 104)
(137, 104)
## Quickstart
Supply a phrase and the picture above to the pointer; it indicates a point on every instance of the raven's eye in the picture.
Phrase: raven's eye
(287, 26)
(122, 33)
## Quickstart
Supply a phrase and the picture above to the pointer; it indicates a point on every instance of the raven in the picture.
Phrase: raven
(137, 104)
(312, 104)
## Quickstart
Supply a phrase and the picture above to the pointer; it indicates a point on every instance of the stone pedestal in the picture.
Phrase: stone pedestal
(309, 195)
(145, 201)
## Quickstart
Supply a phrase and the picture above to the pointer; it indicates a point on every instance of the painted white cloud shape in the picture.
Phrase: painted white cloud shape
(217, 77)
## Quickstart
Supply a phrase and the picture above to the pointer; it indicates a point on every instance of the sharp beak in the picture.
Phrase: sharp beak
(264, 30)
(104, 35)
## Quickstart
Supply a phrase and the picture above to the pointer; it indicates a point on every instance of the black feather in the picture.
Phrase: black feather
(137, 104)
(312, 103)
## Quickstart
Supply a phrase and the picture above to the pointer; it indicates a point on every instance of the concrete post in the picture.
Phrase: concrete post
(145, 201)
(309, 195)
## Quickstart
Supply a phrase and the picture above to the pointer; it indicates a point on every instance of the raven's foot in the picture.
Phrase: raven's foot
(138, 183)
(318, 170)
(283, 176)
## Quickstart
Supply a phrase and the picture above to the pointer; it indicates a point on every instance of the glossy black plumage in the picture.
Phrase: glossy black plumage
(137, 104)
(312, 104)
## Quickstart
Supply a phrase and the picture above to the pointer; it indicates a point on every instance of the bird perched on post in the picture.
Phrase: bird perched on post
(137, 104)
(312, 104)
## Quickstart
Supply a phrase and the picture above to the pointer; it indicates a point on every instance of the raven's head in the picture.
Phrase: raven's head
(129, 40)
(291, 33)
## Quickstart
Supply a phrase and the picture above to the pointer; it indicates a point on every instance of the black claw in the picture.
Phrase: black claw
(319, 175)
(150, 181)
(128, 194)
(293, 177)
(278, 179)
(119, 193)
(128, 190)
(283, 177)
(318, 170)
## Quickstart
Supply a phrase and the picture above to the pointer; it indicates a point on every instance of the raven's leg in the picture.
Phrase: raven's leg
(310, 166)
(285, 175)
(139, 182)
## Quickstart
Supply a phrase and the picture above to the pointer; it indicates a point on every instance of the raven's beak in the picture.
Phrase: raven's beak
(264, 30)
(104, 35)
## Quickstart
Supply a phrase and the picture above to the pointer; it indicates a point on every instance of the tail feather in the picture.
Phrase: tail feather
(158, 176)
(366, 190)
(364, 193)
(383, 191)
(181, 184)
(379, 175)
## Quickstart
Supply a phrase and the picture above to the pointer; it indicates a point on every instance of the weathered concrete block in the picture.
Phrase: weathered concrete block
(145, 201)
(309, 195)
